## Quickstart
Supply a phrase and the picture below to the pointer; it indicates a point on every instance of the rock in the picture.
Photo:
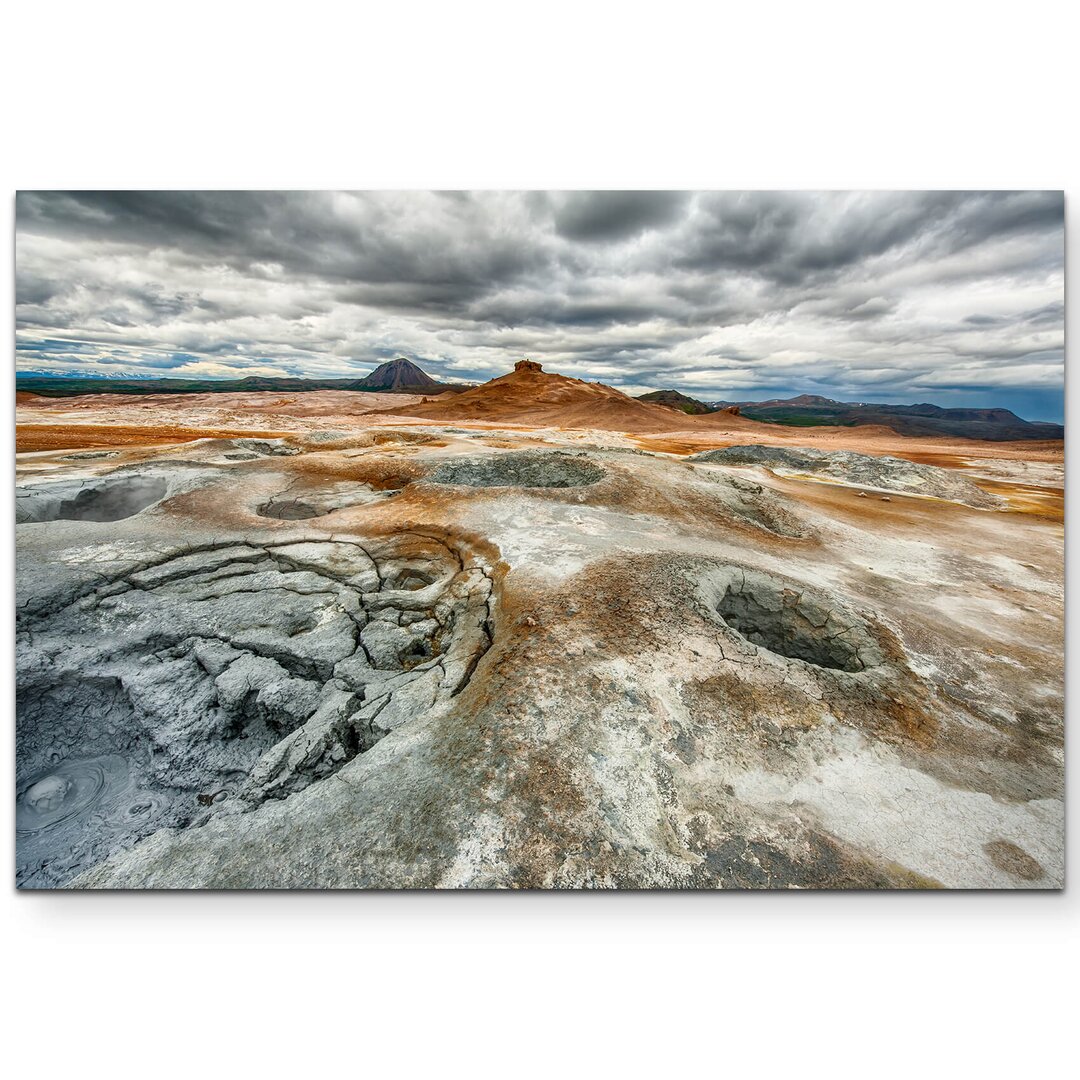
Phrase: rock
(387, 645)
(326, 436)
(214, 656)
(288, 702)
(294, 762)
(238, 684)
(753, 504)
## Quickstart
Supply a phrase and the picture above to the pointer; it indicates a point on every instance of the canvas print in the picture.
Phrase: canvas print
(539, 540)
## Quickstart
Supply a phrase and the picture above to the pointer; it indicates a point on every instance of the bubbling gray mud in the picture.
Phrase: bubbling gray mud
(65, 791)
(211, 680)
(77, 811)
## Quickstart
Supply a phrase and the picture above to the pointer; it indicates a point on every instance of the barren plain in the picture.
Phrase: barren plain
(540, 637)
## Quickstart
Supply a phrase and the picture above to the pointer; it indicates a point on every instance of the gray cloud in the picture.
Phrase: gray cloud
(921, 295)
(614, 215)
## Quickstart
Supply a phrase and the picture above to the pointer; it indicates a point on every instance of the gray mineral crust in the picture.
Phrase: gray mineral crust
(859, 470)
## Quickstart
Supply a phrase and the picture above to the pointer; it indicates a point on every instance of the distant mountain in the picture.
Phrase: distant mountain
(811, 410)
(812, 399)
(401, 376)
(395, 377)
(554, 396)
(672, 399)
(42, 374)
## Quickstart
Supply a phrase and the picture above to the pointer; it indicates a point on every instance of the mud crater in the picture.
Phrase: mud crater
(108, 499)
(286, 507)
(800, 624)
(290, 510)
(213, 680)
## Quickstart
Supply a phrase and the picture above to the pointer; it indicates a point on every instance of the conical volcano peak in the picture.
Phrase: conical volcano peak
(397, 375)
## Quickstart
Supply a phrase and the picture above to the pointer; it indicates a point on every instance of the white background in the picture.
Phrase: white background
(836, 95)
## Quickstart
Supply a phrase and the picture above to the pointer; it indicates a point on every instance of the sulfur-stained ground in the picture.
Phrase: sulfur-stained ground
(606, 665)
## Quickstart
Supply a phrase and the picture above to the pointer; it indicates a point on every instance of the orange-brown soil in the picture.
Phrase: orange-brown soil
(949, 453)
(1035, 499)
(309, 403)
(524, 400)
(36, 437)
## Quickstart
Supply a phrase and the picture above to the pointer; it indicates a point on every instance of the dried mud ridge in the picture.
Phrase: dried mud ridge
(859, 470)
(266, 447)
(209, 681)
(521, 468)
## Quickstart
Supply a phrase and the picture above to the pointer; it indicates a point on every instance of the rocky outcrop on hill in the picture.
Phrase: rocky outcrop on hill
(672, 399)
(528, 394)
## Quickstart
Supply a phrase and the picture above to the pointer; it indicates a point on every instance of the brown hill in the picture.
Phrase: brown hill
(529, 395)
(672, 399)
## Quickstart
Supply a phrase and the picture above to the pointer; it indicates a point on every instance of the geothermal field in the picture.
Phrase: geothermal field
(537, 634)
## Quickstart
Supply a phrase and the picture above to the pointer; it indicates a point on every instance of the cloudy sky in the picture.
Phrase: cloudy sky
(951, 297)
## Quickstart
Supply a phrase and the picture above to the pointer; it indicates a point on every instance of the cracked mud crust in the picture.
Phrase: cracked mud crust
(224, 675)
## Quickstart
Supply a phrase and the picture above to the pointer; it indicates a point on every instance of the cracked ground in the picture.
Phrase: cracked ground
(374, 655)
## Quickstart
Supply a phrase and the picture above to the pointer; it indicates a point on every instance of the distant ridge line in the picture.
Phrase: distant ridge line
(813, 410)
(398, 376)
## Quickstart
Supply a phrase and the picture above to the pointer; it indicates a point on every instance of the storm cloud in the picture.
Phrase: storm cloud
(951, 297)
